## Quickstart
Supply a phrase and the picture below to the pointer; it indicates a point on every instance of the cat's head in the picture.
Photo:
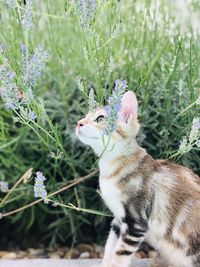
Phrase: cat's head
(91, 130)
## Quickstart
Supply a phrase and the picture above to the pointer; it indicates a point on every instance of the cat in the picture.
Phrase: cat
(153, 200)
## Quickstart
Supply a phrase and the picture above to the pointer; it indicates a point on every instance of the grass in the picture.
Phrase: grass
(147, 46)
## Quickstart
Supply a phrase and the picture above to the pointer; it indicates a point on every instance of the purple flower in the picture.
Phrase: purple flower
(196, 123)
(39, 187)
(12, 96)
(23, 49)
(8, 89)
(3, 186)
(120, 84)
(117, 107)
(198, 143)
(114, 105)
(2, 47)
(31, 115)
(34, 66)
(40, 177)
(91, 100)
(85, 10)
(27, 15)
(10, 105)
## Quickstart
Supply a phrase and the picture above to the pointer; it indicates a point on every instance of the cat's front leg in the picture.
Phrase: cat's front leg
(127, 244)
(110, 244)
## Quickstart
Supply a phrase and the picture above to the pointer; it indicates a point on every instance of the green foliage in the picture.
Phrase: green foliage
(139, 42)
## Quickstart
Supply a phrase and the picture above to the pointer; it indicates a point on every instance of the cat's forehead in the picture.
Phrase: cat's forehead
(96, 112)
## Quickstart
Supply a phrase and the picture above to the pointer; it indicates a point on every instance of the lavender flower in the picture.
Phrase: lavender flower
(10, 3)
(114, 105)
(27, 15)
(91, 100)
(39, 187)
(85, 10)
(31, 115)
(12, 96)
(183, 145)
(27, 114)
(24, 54)
(8, 89)
(194, 130)
(2, 47)
(198, 143)
(3, 186)
(193, 138)
(196, 123)
(34, 65)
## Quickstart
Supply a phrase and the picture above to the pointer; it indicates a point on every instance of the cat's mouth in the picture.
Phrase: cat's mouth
(87, 136)
(81, 134)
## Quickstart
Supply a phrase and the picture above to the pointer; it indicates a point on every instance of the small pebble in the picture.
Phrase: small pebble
(72, 254)
(22, 254)
(98, 248)
(84, 255)
(85, 247)
(35, 252)
(94, 255)
(9, 256)
(54, 256)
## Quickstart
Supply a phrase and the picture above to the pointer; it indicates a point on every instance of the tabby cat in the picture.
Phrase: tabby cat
(153, 200)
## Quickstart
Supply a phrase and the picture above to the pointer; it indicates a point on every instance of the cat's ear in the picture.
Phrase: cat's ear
(129, 106)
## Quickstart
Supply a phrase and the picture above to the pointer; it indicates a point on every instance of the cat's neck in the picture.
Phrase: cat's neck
(110, 160)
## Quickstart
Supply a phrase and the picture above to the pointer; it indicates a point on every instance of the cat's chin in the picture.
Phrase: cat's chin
(87, 139)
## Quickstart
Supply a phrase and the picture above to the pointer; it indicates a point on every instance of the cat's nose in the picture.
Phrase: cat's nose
(80, 124)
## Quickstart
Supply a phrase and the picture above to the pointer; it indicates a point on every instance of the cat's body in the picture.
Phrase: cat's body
(152, 200)
(158, 197)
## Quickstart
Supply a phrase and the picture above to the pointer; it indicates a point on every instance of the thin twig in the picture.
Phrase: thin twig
(73, 183)
(71, 206)
(24, 178)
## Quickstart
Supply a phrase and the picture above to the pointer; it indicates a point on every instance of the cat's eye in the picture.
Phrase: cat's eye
(100, 118)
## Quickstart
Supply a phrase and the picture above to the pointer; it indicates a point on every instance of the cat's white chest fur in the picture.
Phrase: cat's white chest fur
(111, 196)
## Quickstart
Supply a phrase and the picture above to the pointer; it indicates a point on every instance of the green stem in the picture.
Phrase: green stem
(71, 206)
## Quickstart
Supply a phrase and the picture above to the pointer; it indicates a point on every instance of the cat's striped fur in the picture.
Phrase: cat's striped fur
(153, 200)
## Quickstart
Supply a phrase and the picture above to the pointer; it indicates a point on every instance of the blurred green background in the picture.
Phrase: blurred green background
(154, 45)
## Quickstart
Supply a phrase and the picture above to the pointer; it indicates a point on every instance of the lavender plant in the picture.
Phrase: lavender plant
(34, 65)
(13, 97)
(85, 10)
(8, 89)
(114, 105)
(10, 3)
(144, 42)
(39, 187)
(27, 15)
(193, 139)
(96, 50)
(4, 186)
(91, 100)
